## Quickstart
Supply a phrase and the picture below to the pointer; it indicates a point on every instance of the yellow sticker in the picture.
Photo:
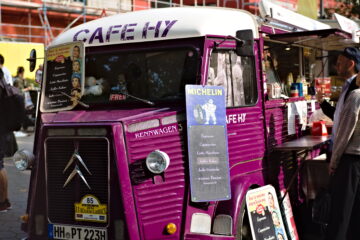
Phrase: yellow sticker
(90, 209)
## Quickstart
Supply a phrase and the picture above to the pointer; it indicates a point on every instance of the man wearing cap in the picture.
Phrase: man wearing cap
(347, 66)
(344, 184)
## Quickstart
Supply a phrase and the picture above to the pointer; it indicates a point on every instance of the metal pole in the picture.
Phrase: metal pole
(44, 24)
(0, 21)
(321, 9)
(84, 13)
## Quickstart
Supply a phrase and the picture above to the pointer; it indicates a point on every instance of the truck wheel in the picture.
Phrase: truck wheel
(243, 225)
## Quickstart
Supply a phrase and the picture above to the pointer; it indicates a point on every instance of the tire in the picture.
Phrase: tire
(243, 229)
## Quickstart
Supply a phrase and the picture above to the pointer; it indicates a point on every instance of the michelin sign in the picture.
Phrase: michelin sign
(207, 141)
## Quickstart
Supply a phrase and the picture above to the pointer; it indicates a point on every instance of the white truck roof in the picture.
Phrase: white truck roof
(161, 24)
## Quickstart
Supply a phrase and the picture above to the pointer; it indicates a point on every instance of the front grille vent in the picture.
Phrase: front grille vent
(95, 154)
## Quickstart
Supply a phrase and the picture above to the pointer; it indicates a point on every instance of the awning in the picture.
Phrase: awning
(326, 39)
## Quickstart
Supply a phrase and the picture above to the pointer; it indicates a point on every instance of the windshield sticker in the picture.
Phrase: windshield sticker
(90, 209)
(64, 83)
(119, 91)
(125, 32)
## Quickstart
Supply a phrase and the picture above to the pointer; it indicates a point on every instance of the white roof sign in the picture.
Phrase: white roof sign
(269, 9)
(346, 24)
(160, 24)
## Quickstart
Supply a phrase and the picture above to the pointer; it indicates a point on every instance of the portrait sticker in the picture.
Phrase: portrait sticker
(265, 214)
(207, 141)
(64, 77)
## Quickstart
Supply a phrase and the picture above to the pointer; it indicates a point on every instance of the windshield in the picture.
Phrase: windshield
(124, 76)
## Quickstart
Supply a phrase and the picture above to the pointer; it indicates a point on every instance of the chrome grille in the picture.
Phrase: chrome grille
(95, 153)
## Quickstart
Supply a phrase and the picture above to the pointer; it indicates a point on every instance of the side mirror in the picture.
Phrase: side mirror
(32, 60)
(245, 43)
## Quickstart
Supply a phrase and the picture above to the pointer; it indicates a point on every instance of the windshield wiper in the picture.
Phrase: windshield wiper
(137, 98)
(80, 102)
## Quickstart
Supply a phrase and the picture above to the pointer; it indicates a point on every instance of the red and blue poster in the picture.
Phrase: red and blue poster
(265, 214)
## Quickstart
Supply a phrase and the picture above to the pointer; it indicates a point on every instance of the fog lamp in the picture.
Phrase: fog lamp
(23, 159)
(157, 161)
(200, 223)
(171, 228)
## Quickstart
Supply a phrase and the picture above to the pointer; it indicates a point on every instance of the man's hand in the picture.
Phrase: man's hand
(331, 170)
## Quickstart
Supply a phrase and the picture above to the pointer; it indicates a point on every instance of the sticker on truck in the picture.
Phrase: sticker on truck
(90, 209)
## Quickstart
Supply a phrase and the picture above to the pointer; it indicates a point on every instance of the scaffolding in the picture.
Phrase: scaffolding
(38, 26)
(43, 16)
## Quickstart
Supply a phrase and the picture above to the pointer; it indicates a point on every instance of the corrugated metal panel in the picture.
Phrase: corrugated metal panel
(246, 140)
(282, 166)
(159, 199)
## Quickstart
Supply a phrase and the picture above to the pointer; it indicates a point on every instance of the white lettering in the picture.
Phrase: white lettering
(236, 118)
(269, 238)
(261, 230)
(206, 136)
(156, 132)
(215, 178)
(207, 145)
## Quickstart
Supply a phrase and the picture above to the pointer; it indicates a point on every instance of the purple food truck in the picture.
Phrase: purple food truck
(110, 151)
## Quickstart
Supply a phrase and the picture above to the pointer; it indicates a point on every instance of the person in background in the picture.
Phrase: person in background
(19, 80)
(38, 74)
(347, 66)
(6, 72)
(21, 83)
(345, 170)
(4, 201)
(10, 140)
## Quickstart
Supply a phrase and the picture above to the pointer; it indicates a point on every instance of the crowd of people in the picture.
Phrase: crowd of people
(8, 144)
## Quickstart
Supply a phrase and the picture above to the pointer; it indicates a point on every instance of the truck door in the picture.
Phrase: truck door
(245, 120)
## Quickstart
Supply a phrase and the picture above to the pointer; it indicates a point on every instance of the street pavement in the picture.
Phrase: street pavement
(18, 194)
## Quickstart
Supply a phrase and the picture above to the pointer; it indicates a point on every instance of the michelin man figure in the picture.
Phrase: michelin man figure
(210, 109)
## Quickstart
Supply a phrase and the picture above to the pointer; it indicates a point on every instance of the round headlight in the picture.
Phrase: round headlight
(23, 159)
(157, 161)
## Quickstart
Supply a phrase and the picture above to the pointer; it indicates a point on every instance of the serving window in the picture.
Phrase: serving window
(284, 65)
(304, 58)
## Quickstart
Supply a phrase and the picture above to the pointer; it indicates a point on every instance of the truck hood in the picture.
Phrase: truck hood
(102, 115)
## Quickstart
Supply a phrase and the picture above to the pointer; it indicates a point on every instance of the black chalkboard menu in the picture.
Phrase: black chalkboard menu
(64, 77)
(210, 172)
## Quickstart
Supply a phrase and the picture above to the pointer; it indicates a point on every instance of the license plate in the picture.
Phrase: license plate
(57, 231)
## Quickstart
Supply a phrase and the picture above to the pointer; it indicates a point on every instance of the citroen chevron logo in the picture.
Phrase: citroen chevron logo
(76, 157)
